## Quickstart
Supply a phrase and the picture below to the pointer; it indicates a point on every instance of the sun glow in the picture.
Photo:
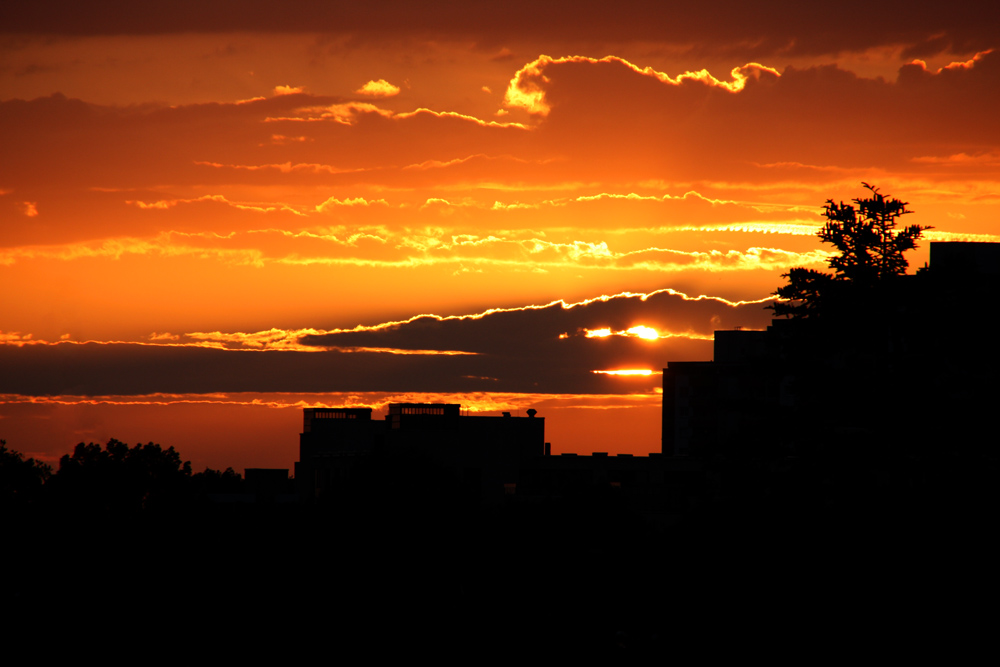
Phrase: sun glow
(629, 371)
(639, 331)
(643, 332)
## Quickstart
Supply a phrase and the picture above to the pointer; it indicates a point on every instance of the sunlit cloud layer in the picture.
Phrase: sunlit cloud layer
(472, 402)
(543, 348)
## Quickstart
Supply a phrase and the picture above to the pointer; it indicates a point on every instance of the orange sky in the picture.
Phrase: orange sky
(213, 214)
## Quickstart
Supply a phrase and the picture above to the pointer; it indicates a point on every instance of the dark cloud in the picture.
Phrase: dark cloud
(514, 351)
(502, 332)
(821, 115)
(97, 370)
(734, 26)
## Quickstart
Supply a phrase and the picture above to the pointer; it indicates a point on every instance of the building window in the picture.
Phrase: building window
(423, 410)
(333, 414)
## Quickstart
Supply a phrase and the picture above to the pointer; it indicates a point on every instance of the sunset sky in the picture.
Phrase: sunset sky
(214, 214)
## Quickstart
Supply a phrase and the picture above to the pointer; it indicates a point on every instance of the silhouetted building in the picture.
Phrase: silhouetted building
(904, 361)
(709, 407)
(651, 485)
(963, 260)
(481, 454)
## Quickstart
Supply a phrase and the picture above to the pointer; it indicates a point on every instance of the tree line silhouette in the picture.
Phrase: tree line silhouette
(114, 479)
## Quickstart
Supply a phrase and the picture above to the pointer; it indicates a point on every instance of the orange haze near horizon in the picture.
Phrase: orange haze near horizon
(207, 225)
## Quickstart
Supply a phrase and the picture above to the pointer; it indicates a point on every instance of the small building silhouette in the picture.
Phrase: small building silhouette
(483, 454)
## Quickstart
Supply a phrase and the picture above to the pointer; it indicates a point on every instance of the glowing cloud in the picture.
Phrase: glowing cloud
(962, 237)
(164, 204)
(333, 202)
(460, 116)
(284, 167)
(281, 139)
(961, 159)
(16, 339)
(345, 114)
(644, 332)
(380, 88)
(526, 89)
(956, 65)
(119, 247)
(597, 333)
(477, 402)
(288, 340)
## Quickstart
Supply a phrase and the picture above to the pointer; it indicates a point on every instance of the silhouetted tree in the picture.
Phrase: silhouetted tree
(870, 250)
(118, 478)
(21, 479)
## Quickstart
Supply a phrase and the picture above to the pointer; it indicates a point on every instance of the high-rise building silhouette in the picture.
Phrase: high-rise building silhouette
(907, 359)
